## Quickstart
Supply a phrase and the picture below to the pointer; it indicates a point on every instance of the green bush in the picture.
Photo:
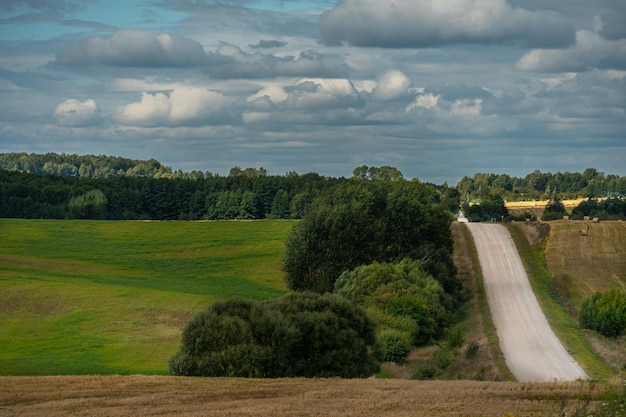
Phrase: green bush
(394, 344)
(425, 372)
(605, 313)
(454, 337)
(443, 358)
(299, 334)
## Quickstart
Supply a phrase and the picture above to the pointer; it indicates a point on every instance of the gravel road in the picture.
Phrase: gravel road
(532, 351)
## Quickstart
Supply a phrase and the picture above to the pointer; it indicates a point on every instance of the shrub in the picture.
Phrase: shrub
(394, 344)
(300, 334)
(471, 350)
(425, 372)
(443, 358)
(605, 313)
(454, 337)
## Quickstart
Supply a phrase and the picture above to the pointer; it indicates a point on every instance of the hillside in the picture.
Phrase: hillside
(595, 262)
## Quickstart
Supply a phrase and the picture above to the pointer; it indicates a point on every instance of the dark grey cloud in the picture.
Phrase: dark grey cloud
(267, 44)
(613, 21)
(134, 48)
(590, 51)
(426, 23)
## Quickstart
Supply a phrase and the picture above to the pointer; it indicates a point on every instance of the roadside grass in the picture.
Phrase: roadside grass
(485, 361)
(480, 300)
(102, 297)
(562, 324)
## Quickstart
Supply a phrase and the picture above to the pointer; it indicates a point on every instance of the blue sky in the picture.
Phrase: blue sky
(438, 89)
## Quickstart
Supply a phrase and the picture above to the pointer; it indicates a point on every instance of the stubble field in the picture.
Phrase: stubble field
(179, 396)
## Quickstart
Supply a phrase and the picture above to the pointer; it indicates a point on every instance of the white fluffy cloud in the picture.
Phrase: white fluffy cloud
(590, 51)
(135, 48)
(73, 113)
(391, 85)
(425, 23)
(322, 93)
(183, 106)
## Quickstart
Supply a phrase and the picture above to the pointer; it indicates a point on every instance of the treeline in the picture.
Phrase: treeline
(72, 165)
(54, 186)
(26, 195)
(542, 186)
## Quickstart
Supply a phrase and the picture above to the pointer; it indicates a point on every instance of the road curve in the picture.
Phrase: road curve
(532, 351)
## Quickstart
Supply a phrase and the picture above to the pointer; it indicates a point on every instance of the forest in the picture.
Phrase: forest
(63, 186)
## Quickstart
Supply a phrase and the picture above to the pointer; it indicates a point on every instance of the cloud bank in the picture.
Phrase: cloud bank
(432, 23)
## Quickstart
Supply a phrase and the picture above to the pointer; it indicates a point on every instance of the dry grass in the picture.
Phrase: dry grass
(596, 262)
(535, 208)
(178, 396)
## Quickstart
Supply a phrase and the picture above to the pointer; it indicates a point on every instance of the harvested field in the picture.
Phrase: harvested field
(169, 396)
(535, 208)
(595, 262)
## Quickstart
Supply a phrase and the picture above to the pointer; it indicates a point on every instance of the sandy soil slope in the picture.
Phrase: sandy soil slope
(532, 351)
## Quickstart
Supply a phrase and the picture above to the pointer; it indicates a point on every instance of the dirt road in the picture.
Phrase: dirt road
(532, 351)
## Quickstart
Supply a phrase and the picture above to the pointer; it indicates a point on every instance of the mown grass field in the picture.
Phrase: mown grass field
(90, 297)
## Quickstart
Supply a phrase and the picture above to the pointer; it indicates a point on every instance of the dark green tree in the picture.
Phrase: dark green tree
(605, 313)
(360, 222)
(555, 210)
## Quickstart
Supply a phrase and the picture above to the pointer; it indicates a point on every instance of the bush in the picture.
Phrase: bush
(443, 358)
(425, 372)
(300, 334)
(454, 337)
(394, 344)
(471, 350)
(605, 313)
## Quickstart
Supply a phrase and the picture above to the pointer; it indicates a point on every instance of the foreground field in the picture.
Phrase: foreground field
(186, 397)
(88, 297)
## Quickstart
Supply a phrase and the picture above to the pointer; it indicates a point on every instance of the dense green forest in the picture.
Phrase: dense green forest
(61, 186)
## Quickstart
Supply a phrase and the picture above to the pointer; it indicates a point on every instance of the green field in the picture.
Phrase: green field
(104, 297)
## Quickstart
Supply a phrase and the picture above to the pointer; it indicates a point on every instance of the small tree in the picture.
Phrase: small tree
(555, 210)
(605, 313)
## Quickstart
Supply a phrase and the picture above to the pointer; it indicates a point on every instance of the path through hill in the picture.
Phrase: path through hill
(532, 351)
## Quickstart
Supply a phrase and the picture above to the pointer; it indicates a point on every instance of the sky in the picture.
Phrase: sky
(440, 89)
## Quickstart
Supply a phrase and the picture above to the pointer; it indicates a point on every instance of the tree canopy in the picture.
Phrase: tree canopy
(359, 222)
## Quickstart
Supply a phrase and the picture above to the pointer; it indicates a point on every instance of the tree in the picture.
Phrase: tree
(605, 313)
(360, 222)
(91, 205)
(555, 210)
(299, 334)
(400, 292)
(280, 205)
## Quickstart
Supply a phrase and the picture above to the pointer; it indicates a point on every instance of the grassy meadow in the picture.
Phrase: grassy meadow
(103, 297)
